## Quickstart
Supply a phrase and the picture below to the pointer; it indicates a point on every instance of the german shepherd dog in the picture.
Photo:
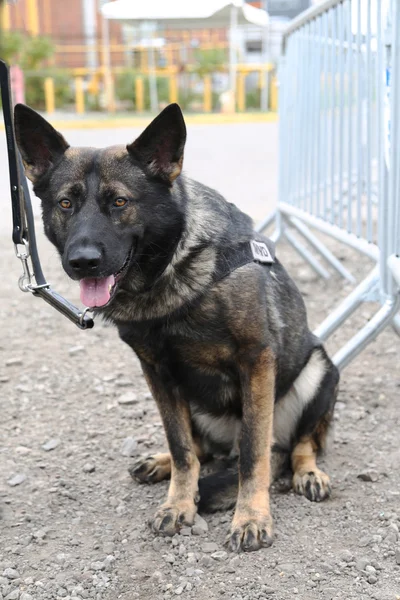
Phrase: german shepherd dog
(217, 324)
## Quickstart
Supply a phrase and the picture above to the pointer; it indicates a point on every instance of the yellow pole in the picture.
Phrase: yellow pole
(273, 94)
(207, 100)
(173, 89)
(5, 21)
(139, 94)
(49, 94)
(79, 96)
(241, 92)
(32, 17)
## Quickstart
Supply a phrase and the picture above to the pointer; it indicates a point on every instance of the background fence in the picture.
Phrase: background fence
(340, 152)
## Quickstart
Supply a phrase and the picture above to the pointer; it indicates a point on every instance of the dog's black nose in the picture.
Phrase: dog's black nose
(85, 260)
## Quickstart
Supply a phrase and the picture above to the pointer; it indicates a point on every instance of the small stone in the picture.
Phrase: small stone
(76, 350)
(370, 476)
(11, 362)
(4, 379)
(25, 596)
(346, 556)
(50, 445)
(169, 558)
(17, 479)
(89, 468)
(14, 595)
(185, 531)
(129, 446)
(97, 566)
(372, 579)
(11, 573)
(109, 562)
(200, 526)
(210, 547)
(128, 399)
(189, 586)
(178, 591)
(361, 563)
(370, 570)
(397, 556)
(108, 547)
(62, 592)
(206, 561)
(391, 537)
(219, 555)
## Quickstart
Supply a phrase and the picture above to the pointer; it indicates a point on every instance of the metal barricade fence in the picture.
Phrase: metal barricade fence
(340, 150)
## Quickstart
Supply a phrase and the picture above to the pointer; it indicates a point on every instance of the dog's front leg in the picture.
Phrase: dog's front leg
(252, 524)
(180, 507)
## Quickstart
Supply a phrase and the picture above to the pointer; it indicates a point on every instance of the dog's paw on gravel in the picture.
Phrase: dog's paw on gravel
(151, 469)
(170, 519)
(314, 485)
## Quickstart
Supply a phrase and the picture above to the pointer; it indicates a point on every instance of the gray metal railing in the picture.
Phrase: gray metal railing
(340, 151)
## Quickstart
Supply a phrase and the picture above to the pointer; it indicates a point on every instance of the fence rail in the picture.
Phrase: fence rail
(340, 152)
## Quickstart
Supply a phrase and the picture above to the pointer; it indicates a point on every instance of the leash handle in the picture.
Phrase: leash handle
(79, 317)
(23, 234)
(19, 232)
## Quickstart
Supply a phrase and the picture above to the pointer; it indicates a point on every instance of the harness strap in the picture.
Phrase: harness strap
(261, 251)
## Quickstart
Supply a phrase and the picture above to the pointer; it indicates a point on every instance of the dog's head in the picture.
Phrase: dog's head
(110, 209)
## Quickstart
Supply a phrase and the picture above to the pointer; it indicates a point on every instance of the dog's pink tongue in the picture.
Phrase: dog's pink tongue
(96, 292)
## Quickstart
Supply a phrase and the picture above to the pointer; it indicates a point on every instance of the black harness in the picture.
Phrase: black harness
(23, 234)
(261, 251)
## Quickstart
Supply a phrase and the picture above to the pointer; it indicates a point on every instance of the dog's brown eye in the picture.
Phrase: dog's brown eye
(66, 204)
(119, 202)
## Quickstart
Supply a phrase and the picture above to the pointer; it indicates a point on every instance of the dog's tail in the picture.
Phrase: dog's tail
(218, 491)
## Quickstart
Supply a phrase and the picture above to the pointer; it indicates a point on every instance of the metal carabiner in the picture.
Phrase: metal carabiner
(25, 280)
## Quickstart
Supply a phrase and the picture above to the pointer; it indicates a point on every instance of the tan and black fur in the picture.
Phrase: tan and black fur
(230, 360)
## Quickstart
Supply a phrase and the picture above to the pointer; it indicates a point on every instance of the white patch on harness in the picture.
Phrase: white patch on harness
(261, 252)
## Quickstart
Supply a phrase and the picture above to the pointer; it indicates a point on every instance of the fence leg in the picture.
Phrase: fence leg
(49, 96)
(322, 249)
(367, 334)
(277, 234)
(306, 254)
(396, 324)
(348, 306)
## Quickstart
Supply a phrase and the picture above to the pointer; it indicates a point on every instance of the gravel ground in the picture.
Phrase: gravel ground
(76, 411)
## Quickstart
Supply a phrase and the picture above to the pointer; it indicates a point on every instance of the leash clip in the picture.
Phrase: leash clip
(82, 318)
(25, 280)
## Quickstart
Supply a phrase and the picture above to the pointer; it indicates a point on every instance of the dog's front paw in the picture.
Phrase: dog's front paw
(314, 485)
(253, 534)
(169, 519)
(151, 469)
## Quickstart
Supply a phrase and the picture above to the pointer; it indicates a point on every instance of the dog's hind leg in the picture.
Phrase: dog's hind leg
(155, 468)
(308, 479)
(312, 432)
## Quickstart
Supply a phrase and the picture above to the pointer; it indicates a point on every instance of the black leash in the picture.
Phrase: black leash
(23, 234)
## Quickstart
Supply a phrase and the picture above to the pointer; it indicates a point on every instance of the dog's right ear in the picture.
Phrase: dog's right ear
(40, 145)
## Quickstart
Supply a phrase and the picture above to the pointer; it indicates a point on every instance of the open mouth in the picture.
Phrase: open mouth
(99, 291)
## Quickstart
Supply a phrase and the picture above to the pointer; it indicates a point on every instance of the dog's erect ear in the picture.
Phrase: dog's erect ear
(41, 146)
(160, 147)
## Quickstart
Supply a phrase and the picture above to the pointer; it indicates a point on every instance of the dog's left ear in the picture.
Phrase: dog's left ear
(160, 147)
